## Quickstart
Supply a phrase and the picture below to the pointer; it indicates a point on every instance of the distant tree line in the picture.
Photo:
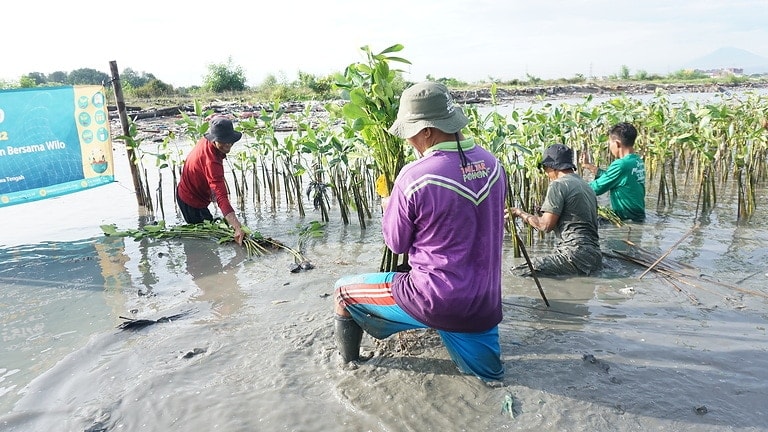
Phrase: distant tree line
(139, 84)
(83, 76)
(229, 78)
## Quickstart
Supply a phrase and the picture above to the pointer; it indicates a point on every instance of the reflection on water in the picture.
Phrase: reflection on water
(217, 282)
(54, 295)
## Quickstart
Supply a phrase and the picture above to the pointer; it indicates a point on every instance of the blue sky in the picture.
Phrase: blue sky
(466, 39)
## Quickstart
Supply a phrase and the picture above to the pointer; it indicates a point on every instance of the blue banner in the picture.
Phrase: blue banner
(53, 141)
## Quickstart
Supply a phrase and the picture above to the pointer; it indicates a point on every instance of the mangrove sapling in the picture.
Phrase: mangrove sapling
(317, 192)
(370, 90)
(263, 129)
(239, 165)
(360, 200)
(133, 144)
(313, 229)
(168, 158)
(294, 170)
(343, 153)
(318, 147)
(339, 186)
(286, 154)
(195, 127)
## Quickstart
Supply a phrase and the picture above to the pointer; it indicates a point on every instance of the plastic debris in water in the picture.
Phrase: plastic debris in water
(627, 290)
(135, 324)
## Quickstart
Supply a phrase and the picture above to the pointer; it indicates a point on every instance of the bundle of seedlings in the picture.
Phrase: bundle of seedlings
(608, 214)
(253, 242)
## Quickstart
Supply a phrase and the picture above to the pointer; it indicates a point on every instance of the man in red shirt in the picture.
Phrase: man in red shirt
(202, 177)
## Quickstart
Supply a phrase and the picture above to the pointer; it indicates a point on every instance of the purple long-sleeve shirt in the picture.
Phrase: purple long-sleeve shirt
(450, 221)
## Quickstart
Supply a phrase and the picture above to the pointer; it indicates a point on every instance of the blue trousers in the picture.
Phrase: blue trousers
(368, 298)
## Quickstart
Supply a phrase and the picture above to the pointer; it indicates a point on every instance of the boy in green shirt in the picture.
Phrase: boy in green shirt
(625, 176)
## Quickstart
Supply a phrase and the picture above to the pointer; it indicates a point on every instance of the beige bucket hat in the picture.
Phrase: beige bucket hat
(427, 104)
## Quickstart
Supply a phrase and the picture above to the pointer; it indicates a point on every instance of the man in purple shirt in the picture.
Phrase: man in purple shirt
(446, 211)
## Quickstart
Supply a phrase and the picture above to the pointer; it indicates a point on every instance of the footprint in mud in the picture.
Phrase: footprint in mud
(591, 359)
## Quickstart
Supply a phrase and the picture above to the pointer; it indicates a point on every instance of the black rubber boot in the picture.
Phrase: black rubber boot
(348, 337)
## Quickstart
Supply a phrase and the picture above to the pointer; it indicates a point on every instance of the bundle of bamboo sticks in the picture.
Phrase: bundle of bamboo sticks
(675, 273)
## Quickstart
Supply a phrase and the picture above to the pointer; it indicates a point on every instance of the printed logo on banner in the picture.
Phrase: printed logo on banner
(53, 141)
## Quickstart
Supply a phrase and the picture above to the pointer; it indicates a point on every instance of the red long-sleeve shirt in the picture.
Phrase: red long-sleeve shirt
(202, 178)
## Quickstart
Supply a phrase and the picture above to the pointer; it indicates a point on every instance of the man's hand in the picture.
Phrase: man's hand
(512, 212)
(239, 235)
(232, 220)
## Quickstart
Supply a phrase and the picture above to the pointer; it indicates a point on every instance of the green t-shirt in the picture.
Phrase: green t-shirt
(625, 179)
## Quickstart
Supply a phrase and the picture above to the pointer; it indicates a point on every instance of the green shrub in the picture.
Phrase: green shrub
(224, 77)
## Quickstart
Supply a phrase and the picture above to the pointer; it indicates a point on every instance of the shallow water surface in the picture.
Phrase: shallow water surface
(254, 350)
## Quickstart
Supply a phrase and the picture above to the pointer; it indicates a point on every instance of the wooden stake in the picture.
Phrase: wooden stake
(530, 264)
(690, 231)
(141, 195)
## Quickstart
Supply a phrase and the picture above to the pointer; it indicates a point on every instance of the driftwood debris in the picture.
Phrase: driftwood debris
(156, 112)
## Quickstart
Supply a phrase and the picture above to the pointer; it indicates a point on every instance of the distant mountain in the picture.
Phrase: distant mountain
(730, 57)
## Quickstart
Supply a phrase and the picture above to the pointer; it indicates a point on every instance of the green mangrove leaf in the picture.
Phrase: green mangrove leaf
(111, 230)
(353, 111)
(393, 48)
(358, 124)
(363, 68)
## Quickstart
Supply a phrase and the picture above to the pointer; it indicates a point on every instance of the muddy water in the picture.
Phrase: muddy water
(253, 349)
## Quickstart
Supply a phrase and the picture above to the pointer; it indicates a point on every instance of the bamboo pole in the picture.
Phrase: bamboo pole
(528, 261)
(120, 104)
(665, 254)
